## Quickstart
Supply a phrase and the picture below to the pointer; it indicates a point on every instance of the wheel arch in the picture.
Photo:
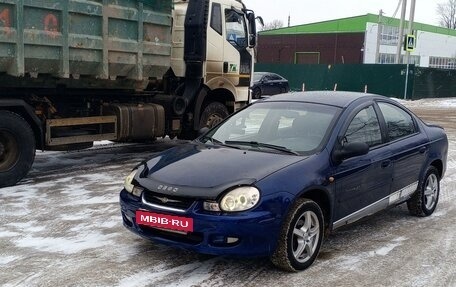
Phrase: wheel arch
(220, 83)
(323, 198)
(24, 110)
(206, 96)
(438, 164)
(221, 95)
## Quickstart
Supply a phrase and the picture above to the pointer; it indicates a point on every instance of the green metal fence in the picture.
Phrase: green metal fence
(434, 83)
(388, 80)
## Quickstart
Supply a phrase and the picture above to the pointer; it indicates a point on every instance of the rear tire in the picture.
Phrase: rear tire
(301, 237)
(425, 199)
(213, 114)
(17, 148)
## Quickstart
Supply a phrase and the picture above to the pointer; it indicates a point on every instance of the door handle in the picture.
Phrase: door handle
(423, 149)
(386, 163)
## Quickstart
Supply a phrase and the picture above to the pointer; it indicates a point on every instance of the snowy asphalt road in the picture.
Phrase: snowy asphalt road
(62, 227)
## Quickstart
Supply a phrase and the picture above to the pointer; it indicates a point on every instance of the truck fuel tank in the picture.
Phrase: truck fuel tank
(137, 121)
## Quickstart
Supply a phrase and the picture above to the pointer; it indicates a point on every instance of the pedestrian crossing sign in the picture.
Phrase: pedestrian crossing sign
(409, 43)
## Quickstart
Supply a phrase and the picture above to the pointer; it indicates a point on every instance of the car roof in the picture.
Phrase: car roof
(265, 73)
(333, 98)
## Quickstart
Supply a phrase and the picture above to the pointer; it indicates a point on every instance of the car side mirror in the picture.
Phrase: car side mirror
(350, 150)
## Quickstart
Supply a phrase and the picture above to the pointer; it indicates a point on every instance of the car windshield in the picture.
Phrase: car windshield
(280, 127)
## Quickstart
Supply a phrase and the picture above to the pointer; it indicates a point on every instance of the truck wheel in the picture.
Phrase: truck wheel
(300, 238)
(213, 114)
(424, 201)
(17, 148)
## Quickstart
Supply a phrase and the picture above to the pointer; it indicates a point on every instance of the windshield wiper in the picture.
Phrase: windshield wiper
(265, 145)
(217, 142)
(212, 140)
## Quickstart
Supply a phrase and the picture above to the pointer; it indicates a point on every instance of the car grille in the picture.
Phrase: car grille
(167, 201)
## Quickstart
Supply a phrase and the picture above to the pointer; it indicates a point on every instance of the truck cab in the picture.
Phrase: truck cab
(217, 50)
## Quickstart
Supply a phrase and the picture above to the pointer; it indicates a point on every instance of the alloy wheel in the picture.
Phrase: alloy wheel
(431, 191)
(306, 233)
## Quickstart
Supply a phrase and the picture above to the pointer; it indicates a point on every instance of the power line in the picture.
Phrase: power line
(397, 8)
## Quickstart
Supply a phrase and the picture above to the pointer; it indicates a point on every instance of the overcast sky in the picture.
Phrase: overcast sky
(309, 11)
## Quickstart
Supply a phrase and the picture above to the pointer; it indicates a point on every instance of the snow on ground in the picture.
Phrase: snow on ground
(62, 227)
(435, 103)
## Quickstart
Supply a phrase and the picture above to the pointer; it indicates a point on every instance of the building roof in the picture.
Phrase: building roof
(356, 24)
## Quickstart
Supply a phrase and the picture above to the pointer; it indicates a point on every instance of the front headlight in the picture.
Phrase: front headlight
(240, 199)
(128, 181)
(130, 187)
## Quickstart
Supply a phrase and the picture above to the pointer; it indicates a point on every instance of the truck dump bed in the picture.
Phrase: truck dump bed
(97, 40)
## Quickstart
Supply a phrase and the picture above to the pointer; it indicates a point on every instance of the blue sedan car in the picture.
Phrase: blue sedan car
(276, 177)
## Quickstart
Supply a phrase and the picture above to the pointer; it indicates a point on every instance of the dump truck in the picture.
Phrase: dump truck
(77, 71)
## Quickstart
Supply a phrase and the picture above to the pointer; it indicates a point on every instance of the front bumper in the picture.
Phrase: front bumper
(246, 234)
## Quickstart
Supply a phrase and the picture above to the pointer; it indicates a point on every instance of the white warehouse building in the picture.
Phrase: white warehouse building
(357, 40)
(435, 47)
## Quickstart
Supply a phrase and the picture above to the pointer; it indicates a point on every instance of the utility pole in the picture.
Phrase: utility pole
(401, 32)
(379, 34)
(410, 26)
(407, 54)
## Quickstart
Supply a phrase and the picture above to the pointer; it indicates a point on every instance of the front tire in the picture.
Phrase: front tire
(256, 93)
(17, 148)
(213, 114)
(425, 199)
(300, 238)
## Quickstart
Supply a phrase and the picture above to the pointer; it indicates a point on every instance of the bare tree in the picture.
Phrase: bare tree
(276, 24)
(447, 14)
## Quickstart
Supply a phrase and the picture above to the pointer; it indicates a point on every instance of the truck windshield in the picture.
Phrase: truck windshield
(236, 29)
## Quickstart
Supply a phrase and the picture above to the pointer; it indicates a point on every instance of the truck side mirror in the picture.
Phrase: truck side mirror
(252, 41)
(252, 29)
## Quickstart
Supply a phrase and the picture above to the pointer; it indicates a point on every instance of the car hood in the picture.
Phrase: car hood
(198, 170)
